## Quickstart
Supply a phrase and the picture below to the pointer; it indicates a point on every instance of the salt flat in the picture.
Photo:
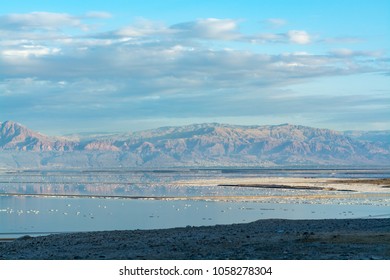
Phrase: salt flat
(362, 185)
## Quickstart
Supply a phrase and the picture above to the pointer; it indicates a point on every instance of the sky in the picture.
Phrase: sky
(118, 66)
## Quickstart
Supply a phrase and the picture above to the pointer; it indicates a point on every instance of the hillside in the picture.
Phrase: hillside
(194, 145)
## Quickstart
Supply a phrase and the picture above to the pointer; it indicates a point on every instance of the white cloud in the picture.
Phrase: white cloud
(151, 69)
(298, 37)
(39, 20)
(209, 28)
(143, 27)
(30, 50)
(291, 37)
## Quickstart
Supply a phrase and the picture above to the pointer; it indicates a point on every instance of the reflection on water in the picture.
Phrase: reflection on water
(28, 215)
(169, 183)
(21, 214)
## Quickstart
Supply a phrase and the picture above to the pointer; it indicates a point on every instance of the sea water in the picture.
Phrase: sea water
(42, 202)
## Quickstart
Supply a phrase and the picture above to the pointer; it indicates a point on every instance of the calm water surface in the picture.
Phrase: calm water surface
(31, 202)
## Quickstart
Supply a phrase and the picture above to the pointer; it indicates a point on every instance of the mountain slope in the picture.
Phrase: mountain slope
(196, 145)
(14, 136)
(283, 144)
(371, 136)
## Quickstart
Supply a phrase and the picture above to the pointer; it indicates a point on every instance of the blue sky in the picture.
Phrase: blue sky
(71, 66)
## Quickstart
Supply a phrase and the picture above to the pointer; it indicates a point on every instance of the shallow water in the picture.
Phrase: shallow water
(28, 202)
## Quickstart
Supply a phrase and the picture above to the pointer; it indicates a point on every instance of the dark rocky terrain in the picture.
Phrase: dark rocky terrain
(194, 145)
(359, 239)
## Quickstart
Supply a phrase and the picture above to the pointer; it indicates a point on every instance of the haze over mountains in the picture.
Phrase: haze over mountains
(198, 145)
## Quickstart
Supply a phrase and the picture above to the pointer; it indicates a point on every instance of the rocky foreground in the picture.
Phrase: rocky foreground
(359, 239)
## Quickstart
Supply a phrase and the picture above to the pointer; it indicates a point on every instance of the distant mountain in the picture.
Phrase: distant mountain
(195, 145)
(14, 136)
(370, 136)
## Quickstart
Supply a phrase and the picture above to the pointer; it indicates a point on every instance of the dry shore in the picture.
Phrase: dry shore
(264, 239)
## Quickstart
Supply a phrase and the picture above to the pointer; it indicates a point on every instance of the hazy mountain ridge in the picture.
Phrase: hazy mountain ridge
(14, 136)
(371, 136)
(194, 145)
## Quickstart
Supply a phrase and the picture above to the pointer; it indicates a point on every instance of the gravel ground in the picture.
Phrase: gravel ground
(359, 239)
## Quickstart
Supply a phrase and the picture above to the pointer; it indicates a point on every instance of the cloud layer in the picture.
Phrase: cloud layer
(61, 65)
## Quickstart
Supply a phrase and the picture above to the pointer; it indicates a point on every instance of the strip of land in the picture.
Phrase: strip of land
(359, 239)
(365, 185)
(324, 189)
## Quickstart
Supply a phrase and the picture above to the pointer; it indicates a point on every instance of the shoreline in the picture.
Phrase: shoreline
(334, 187)
(264, 239)
(339, 239)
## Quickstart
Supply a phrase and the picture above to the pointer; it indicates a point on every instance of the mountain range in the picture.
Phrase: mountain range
(198, 145)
